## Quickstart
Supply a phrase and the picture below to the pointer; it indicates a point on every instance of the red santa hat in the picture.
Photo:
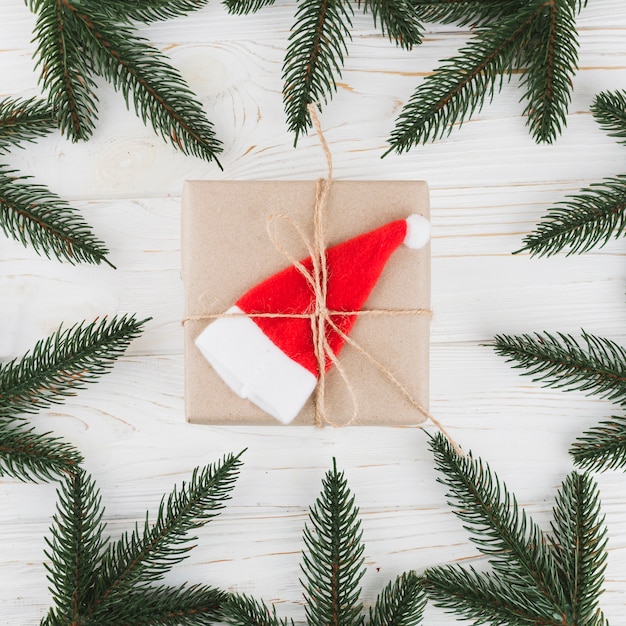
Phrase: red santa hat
(271, 360)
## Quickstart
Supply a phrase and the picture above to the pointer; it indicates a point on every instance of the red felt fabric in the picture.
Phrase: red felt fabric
(353, 269)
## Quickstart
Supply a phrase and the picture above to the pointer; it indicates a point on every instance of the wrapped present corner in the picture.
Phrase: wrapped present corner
(249, 356)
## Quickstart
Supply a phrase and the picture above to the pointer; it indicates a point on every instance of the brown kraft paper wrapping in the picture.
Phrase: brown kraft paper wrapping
(226, 250)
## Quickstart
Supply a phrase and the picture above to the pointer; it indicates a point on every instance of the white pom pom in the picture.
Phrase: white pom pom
(417, 231)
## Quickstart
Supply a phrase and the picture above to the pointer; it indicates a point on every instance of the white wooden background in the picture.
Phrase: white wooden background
(490, 184)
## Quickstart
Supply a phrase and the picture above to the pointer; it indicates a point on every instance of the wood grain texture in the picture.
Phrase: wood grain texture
(489, 185)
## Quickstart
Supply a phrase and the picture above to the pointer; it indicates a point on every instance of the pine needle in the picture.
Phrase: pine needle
(96, 583)
(53, 370)
(64, 362)
(535, 579)
(75, 546)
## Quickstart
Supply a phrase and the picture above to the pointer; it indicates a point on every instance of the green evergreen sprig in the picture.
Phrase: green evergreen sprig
(32, 214)
(62, 363)
(53, 370)
(609, 110)
(77, 40)
(538, 37)
(597, 367)
(535, 578)
(465, 12)
(243, 7)
(148, 11)
(30, 456)
(318, 46)
(597, 213)
(95, 582)
(602, 447)
(594, 365)
(316, 51)
(24, 120)
(332, 564)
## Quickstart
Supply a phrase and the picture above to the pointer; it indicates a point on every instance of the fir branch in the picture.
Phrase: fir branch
(81, 562)
(596, 215)
(318, 45)
(196, 605)
(535, 579)
(333, 563)
(29, 456)
(463, 83)
(146, 555)
(33, 215)
(159, 92)
(66, 71)
(581, 538)
(551, 63)
(589, 219)
(316, 50)
(498, 48)
(24, 120)
(64, 362)
(479, 596)
(401, 603)
(602, 447)
(465, 12)
(75, 547)
(514, 544)
(598, 367)
(146, 11)
(78, 39)
(242, 610)
(609, 110)
(244, 7)
(398, 20)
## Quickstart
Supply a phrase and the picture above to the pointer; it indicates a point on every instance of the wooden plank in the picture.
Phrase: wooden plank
(490, 184)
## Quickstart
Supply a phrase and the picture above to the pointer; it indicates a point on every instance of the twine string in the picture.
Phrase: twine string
(363, 313)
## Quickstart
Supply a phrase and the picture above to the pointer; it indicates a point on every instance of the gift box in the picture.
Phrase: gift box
(227, 250)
